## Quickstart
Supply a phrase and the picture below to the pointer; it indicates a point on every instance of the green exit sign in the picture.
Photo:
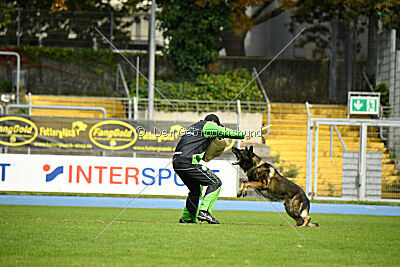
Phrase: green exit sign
(368, 105)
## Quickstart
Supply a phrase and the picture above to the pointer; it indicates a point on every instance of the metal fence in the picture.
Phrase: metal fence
(348, 160)
(124, 107)
(77, 29)
(202, 105)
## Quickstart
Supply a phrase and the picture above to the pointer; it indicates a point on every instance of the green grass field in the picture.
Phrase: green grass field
(63, 236)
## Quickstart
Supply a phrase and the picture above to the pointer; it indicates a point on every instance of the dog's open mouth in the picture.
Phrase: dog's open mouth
(236, 162)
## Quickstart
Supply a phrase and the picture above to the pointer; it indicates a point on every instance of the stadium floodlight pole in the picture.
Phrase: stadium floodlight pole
(258, 192)
(133, 66)
(133, 200)
(152, 27)
(266, 66)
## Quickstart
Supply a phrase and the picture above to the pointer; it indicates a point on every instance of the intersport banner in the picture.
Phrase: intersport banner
(85, 134)
(113, 175)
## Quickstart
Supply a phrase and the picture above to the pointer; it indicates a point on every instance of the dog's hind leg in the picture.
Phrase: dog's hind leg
(299, 221)
(291, 213)
(304, 216)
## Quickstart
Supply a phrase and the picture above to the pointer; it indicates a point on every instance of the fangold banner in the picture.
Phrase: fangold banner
(81, 174)
(91, 134)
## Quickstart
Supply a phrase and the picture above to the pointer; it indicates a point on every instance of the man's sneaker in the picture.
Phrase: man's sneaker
(206, 216)
(183, 221)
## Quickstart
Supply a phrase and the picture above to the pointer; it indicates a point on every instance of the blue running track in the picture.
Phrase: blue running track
(162, 203)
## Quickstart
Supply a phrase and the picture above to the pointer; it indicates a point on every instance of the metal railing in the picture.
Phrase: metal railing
(200, 105)
(129, 108)
(125, 107)
(369, 171)
(331, 139)
(29, 107)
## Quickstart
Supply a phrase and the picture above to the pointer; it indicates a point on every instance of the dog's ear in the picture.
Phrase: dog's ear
(245, 149)
(251, 150)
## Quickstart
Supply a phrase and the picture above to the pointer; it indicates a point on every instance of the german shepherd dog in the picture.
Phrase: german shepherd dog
(271, 184)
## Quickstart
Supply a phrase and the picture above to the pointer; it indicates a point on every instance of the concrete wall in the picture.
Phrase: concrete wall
(388, 72)
(286, 80)
(63, 78)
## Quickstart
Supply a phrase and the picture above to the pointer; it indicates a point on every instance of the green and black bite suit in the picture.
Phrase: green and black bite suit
(188, 154)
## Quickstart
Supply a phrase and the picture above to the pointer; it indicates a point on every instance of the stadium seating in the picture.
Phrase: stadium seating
(114, 107)
(287, 140)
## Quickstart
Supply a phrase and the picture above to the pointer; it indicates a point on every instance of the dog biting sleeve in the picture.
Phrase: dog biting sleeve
(212, 130)
(214, 149)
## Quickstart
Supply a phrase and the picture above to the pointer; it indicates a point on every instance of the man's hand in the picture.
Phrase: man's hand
(247, 138)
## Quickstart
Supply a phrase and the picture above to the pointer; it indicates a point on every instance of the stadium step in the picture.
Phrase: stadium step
(113, 107)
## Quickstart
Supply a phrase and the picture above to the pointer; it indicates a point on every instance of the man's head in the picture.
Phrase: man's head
(214, 118)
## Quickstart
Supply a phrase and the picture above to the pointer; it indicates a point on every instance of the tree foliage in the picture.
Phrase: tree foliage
(213, 87)
(192, 30)
(317, 13)
(244, 15)
(59, 21)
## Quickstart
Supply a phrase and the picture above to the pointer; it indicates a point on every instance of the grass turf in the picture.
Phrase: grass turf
(63, 236)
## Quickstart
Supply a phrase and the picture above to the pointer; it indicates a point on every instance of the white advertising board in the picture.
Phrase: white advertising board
(112, 175)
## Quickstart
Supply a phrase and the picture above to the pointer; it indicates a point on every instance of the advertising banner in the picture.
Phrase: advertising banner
(112, 175)
(92, 134)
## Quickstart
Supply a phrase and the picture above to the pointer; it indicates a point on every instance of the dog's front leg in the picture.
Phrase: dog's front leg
(255, 185)
(240, 191)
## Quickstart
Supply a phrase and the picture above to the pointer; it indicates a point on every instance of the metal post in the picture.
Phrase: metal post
(18, 76)
(137, 77)
(19, 27)
(111, 29)
(29, 114)
(129, 108)
(309, 152)
(121, 74)
(151, 60)
(331, 142)
(316, 159)
(117, 80)
(29, 104)
(135, 108)
(362, 161)
(348, 105)
(239, 112)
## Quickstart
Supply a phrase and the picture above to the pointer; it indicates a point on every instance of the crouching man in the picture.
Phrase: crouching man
(186, 162)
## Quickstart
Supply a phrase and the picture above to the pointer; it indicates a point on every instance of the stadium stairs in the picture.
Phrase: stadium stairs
(114, 107)
(287, 141)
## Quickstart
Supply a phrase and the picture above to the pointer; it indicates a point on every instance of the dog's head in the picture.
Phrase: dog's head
(246, 158)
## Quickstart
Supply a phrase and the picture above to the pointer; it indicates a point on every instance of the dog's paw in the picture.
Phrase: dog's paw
(244, 193)
(239, 194)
